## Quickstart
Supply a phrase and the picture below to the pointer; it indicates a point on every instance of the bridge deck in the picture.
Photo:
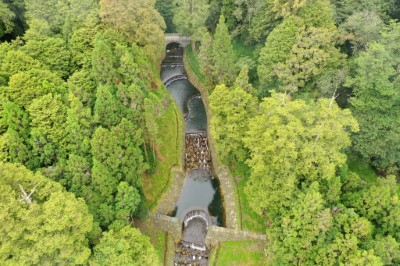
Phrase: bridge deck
(176, 37)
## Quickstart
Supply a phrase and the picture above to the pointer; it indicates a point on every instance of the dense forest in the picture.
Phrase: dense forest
(305, 104)
(78, 107)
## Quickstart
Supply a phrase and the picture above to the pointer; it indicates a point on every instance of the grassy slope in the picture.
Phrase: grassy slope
(168, 154)
(239, 253)
(157, 237)
(249, 220)
(193, 61)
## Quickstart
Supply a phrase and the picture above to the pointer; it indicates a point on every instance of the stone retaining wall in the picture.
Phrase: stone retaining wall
(222, 172)
(170, 224)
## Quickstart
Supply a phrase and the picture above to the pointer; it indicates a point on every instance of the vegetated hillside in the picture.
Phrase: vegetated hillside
(304, 98)
(80, 104)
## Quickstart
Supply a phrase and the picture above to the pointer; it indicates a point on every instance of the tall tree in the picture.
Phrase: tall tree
(13, 148)
(292, 142)
(127, 200)
(51, 52)
(138, 20)
(77, 175)
(206, 58)
(264, 21)
(151, 127)
(375, 84)
(301, 230)
(25, 86)
(285, 8)
(62, 16)
(79, 127)
(81, 43)
(107, 110)
(231, 109)
(313, 53)
(380, 205)
(124, 247)
(222, 51)
(359, 33)
(190, 18)
(14, 142)
(48, 225)
(103, 62)
(165, 7)
(100, 197)
(119, 150)
(277, 50)
(15, 61)
(6, 19)
(48, 116)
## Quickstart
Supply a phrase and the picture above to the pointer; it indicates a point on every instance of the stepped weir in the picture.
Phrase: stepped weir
(199, 195)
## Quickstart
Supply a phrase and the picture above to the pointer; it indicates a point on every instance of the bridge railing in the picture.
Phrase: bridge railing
(176, 37)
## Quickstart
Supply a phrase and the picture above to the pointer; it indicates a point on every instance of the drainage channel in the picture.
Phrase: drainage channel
(199, 204)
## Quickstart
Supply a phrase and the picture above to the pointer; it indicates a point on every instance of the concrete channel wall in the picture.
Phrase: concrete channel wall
(215, 234)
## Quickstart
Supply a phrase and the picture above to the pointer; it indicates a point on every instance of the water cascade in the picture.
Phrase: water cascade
(199, 204)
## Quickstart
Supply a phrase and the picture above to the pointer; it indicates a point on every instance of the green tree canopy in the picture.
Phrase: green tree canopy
(232, 108)
(222, 53)
(375, 84)
(277, 49)
(301, 230)
(293, 142)
(26, 86)
(138, 20)
(6, 19)
(107, 110)
(190, 18)
(51, 226)
(124, 247)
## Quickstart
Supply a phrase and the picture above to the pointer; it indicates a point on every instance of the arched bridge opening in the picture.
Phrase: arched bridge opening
(177, 38)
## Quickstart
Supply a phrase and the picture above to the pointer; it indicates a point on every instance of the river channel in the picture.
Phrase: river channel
(201, 188)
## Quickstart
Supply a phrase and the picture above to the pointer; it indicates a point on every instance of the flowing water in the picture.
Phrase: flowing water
(200, 189)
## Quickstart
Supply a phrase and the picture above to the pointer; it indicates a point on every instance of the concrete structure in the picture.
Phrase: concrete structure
(176, 37)
(196, 214)
(173, 79)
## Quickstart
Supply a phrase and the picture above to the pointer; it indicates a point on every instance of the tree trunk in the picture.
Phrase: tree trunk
(154, 153)
(145, 151)
(193, 43)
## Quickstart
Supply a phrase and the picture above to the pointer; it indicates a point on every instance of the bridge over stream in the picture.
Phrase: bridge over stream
(176, 37)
